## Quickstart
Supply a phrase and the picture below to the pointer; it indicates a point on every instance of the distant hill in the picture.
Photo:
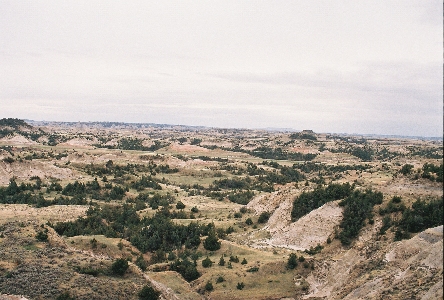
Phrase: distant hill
(14, 123)
(11, 126)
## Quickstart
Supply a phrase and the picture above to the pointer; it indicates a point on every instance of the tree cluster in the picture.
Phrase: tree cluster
(420, 216)
(358, 207)
(308, 201)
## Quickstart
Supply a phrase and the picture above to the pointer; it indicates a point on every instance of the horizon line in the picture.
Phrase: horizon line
(277, 129)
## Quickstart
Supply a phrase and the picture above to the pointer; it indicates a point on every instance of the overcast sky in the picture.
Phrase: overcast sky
(330, 66)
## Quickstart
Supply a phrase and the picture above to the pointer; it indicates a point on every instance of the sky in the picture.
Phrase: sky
(369, 67)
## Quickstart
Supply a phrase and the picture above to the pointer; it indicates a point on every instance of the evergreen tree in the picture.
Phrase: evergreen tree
(211, 243)
(148, 293)
(292, 261)
(120, 266)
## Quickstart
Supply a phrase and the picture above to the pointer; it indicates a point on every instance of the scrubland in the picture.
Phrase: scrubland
(101, 210)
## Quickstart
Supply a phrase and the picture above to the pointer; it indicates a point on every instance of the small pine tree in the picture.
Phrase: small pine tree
(221, 261)
(180, 205)
(141, 263)
(206, 263)
(171, 256)
(244, 262)
(234, 259)
(42, 236)
(119, 266)
(148, 293)
(93, 243)
(211, 243)
(263, 217)
(292, 261)
(209, 286)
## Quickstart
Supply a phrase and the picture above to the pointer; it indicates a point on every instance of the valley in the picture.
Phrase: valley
(108, 210)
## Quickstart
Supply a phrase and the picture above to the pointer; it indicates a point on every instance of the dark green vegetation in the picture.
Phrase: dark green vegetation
(406, 220)
(428, 171)
(292, 261)
(313, 250)
(11, 126)
(432, 172)
(129, 143)
(13, 123)
(270, 153)
(358, 207)
(119, 267)
(365, 152)
(304, 136)
(42, 235)
(157, 234)
(148, 293)
(309, 201)
(420, 216)
(147, 234)
(263, 217)
(185, 268)
(212, 242)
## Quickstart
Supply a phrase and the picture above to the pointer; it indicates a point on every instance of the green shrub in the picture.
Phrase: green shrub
(292, 262)
(263, 217)
(211, 243)
(358, 206)
(42, 235)
(141, 263)
(314, 250)
(148, 293)
(206, 263)
(185, 268)
(171, 256)
(308, 201)
(64, 296)
(420, 216)
(93, 243)
(180, 205)
(386, 223)
(234, 259)
(119, 266)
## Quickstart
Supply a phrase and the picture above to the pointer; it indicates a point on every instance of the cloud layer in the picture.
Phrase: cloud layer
(331, 66)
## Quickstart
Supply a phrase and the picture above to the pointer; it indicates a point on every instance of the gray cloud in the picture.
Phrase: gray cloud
(333, 66)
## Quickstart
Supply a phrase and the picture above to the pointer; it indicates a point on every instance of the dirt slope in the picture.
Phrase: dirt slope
(310, 230)
(27, 169)
(409, 269)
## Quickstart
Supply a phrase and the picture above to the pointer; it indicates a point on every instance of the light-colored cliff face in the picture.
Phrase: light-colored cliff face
(309, 231)
(408, 269)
